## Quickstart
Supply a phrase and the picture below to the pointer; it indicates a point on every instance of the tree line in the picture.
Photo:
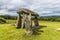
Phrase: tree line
(9, 17)
(50, 18)
(42, 18)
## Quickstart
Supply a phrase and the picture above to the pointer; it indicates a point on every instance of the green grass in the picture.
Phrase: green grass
(9, 32)
(11, 21)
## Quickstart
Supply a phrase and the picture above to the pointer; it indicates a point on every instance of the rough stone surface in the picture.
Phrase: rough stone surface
(26, 20)
(19, 21)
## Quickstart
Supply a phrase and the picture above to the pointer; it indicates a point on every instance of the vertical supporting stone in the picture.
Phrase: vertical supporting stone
(19, 21)
(36, 21)
(28, 25)
(23, 20)
(29, 16)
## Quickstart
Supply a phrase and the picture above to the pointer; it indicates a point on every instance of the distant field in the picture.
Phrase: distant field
(9, 32)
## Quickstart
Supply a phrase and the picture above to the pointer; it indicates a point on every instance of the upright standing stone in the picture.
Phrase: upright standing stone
(19, 21)
(36, 21)
(28, 25)
(23, 20)
(30, 20)
(36, 24)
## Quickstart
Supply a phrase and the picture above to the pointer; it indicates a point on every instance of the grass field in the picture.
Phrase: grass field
(9, 32)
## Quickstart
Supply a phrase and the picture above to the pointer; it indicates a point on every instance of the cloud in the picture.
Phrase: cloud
(43, 7)
(2, 12)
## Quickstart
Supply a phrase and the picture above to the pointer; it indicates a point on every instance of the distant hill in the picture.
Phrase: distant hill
(50, 18)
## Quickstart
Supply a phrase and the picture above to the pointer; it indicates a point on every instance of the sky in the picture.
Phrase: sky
(42, 7)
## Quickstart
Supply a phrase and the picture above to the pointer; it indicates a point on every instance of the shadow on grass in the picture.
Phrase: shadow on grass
(42, 26)
(38, 31)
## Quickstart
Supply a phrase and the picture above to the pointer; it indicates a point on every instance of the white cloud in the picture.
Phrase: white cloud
(3, 12)
(40, 6)
(45, 12)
